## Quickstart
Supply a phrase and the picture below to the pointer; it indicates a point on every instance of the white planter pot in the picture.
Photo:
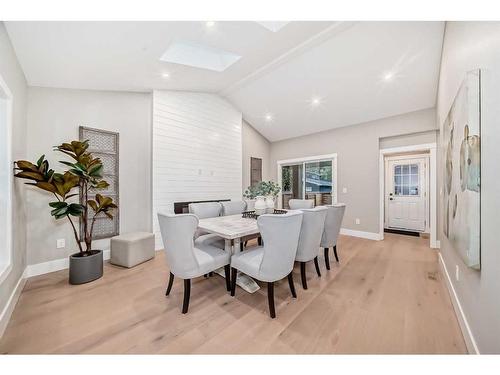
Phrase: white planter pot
(270, 204)
(250, 204)
(260, 205)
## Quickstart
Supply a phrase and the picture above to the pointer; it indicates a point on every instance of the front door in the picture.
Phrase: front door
(406, 194)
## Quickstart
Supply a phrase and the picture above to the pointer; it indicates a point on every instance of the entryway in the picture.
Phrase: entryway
(406, 193)
(408, 197)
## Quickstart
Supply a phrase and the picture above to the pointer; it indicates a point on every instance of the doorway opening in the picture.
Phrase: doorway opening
(408, 191)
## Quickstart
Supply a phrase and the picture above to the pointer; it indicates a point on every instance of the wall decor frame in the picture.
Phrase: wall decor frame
(105, 145)
(461, 140)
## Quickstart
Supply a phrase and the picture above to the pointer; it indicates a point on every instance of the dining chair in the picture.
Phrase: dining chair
(332, 229)
(186, 258)
(311, 231)
(274, 260)
(233, 207)
(297, 204)
(205, 210)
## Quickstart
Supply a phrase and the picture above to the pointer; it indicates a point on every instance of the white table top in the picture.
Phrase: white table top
(229, 227)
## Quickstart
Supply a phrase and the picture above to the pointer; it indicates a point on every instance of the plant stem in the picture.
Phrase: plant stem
(76, 234)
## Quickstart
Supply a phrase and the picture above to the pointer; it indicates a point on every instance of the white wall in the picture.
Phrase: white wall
(468, 46)
(11, 73)
(357, 149)
(54, 116)
(257, 146)
(197, 150)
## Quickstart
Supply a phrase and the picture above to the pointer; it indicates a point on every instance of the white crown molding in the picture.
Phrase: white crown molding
(470, 342)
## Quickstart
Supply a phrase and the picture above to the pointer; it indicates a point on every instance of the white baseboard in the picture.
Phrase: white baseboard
(470, 342)
(53, 265)
(11, 303)
(360, 234)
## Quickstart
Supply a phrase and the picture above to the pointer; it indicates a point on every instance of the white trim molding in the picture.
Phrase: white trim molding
(11, 304)
(426, 147)
(470, 342)
(360, 234)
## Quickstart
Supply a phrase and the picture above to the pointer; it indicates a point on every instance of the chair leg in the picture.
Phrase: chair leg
(327, 259)
(259, 241)
(242, 246)
(270, 298)
(205, 275)
(233, 281)
(317, 266)
(227, 271)
(303, 274)
(210, 274)
(292, 285)
(335, 253)
(170, 283)
(187, 293)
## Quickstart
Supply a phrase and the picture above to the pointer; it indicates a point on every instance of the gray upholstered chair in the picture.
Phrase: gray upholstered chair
(233, 207)
(274, 260)
(332, 229)
(186, 258)
(297, 204)
(313, 224)
(202, 211)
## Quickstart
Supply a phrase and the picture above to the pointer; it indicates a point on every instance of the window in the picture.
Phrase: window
(5, 179)
(406, 180)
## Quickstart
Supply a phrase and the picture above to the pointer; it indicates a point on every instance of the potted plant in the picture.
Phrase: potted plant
(84, 173)
(265, 193)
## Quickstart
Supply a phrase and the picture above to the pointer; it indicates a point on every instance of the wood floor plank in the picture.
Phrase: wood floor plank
(383, 297)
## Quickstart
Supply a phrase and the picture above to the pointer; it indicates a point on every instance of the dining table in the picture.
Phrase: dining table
(232, 229)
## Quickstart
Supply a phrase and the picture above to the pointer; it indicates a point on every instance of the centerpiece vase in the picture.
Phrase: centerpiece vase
(260, 205)
(270, 204)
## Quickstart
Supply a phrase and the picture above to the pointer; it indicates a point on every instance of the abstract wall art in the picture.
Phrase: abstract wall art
(461, 141)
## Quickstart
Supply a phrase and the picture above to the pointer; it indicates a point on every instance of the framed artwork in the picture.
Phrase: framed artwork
(462, 172)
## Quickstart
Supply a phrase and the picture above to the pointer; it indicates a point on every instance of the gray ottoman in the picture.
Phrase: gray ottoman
(130, 249)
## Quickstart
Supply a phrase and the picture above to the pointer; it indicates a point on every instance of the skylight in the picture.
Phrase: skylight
(199, 56)
(273, 26)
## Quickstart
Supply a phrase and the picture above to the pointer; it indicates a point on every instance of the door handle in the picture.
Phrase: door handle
(391, 199)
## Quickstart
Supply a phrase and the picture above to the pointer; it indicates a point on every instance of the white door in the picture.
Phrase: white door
(406, 194)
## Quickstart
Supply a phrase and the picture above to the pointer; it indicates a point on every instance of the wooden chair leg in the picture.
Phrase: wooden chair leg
(210, 274)
(303, 274)
(316, 264)
(187, 293)
(327, 259)
(242, 246)
(259, 241)
(292, 285)
(335, 253)
(227, 272)
(233, 281)
(270, 298)
(170, 283)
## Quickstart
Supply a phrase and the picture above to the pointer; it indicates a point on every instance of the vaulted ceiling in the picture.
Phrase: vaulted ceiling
(303, 78)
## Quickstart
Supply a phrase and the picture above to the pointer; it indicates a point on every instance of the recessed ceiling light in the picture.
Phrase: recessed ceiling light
(388, 76)
(165, 75)
(210, 23)
(269, 117)
(315, 101)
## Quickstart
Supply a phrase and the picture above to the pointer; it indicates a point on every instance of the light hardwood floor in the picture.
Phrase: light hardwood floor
(383, 297)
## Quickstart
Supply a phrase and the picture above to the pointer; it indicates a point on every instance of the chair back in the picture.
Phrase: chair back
(280, 234)
(311, 231)
(177, 232)
(333, 223)
(205, 209)
(233, 207)
(297, 204)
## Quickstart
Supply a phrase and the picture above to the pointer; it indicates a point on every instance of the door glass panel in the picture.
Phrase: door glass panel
(319, 184)
(406, 179)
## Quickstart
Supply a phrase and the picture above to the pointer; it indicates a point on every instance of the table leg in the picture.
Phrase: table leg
(244, 281)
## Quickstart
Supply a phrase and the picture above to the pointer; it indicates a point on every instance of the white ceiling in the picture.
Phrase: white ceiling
(279, 73)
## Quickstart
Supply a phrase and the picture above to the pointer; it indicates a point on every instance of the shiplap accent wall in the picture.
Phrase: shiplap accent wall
(196, 150)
